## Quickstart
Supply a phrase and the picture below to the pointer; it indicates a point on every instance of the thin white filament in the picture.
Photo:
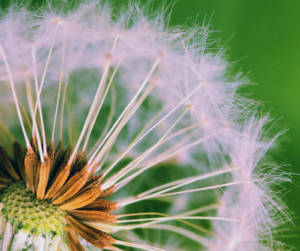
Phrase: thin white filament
(102, 101)
(35, 129)
(127, 107)
(124, 171)
(65, 93)
(181, 218)
(123, 122)
(14, 95)
(189, 234)
(181, 192)
(159, 122)
(108, 121)
(38, 102)
(59, 89)
(152, 163)
(89, 117)
(160, 158)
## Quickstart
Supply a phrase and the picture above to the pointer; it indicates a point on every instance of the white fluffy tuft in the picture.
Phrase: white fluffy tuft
(172, 100)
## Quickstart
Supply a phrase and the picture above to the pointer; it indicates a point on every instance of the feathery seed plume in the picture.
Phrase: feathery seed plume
(119, 132)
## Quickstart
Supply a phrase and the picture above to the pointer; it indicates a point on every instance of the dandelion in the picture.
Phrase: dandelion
(120, 132)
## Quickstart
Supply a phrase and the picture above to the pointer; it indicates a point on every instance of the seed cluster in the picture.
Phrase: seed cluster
(26, 212)
(54, 197)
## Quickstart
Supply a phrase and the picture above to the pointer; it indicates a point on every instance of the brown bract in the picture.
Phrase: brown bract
(72, 187)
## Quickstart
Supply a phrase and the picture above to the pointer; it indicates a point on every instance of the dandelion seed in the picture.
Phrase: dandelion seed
(124, 108)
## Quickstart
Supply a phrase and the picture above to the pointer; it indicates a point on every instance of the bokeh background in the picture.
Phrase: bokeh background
(263, 41)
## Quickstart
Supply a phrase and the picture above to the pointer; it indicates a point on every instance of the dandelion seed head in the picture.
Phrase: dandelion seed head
(130, 133)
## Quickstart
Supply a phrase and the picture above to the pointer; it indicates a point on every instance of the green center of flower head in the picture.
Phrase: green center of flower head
(21, 207)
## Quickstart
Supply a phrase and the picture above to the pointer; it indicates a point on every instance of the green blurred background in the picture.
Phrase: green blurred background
(263, 39)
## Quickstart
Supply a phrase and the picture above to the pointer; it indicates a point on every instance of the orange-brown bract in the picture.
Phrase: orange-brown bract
(75, 191)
